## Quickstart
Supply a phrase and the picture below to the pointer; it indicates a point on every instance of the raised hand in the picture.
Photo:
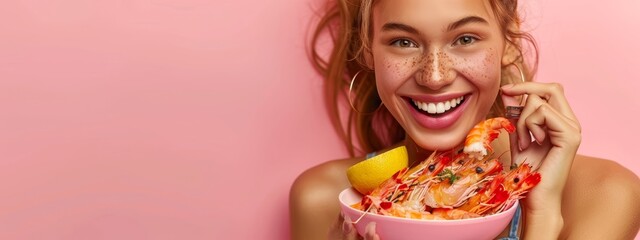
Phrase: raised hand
(547, 117)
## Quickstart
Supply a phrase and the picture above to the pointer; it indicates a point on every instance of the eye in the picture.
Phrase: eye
(466, 40)
(404, 43)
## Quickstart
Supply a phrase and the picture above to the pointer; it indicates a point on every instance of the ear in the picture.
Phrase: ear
(510, 54)
(368, 58)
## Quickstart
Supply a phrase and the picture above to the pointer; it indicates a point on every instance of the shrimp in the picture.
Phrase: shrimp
(452, 214)
(389, 208)
(488, 198)
(399, 210)
(391, 185)
(399, 187)
(521, 179)
(503, 191)
(455, 188)
(517, 182)
(432, 166)
(454, 184)
(409, 177)
(477, 144)
(424, 174)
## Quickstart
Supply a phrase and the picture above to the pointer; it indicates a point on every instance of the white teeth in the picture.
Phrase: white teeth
(439, 107)
(431, 108)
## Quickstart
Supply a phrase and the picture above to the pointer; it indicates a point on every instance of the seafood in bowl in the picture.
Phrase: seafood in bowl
(392, 228)
(464, 187)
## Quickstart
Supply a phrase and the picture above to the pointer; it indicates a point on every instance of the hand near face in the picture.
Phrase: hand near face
(547, 117)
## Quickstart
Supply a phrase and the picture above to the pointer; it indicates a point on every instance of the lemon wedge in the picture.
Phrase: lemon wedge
(367, 175)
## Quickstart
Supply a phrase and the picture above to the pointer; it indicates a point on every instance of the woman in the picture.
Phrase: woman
(408, 58)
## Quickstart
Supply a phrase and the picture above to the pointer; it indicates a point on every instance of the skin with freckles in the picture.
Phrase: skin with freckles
(435, 68)
(421, 55)
(435, 51)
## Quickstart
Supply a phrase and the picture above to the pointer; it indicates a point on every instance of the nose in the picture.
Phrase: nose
(436, 70)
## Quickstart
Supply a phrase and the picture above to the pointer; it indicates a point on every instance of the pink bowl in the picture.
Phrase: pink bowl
(390, 228)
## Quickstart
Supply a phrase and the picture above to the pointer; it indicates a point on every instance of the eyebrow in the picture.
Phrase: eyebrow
(466, 20)
(406, 28)
(399, 26)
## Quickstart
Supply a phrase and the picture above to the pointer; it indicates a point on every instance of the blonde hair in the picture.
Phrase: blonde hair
(348, 22)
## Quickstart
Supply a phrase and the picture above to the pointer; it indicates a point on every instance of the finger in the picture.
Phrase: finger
(553, 93)
(511, 100)
(548, 91)
(523, 132)
(521, 136)
(348, 230)
(370, 232)
(546, 121)
(513, 141)
(535, 124)
(561, 135)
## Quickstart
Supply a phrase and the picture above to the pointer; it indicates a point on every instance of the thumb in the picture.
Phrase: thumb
(514, 148)
(348, 230)
(342, 229)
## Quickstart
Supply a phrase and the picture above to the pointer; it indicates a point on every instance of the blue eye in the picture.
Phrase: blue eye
(404, 43)
(466, 40)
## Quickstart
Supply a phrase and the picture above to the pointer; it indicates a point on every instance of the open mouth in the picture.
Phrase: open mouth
(437, 109)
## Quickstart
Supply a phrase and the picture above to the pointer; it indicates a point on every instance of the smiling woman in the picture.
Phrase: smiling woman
(446, 46)
(439, 67)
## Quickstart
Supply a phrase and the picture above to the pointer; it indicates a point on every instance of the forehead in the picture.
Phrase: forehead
(431, 12)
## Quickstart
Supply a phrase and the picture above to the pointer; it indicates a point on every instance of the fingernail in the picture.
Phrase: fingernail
(371, 231)
(510, 85)
(347, 227)
(538, 142)
(520, 147)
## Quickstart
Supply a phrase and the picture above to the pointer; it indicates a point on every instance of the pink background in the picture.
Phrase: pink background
(189, 119)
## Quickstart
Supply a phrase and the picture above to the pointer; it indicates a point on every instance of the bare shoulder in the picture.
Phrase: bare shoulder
(313, 198)
(317, 182)
(600, 200)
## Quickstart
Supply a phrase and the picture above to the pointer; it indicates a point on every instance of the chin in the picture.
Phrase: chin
(440, 142)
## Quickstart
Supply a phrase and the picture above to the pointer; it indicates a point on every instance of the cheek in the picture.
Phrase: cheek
(391, 73)
(482, 69)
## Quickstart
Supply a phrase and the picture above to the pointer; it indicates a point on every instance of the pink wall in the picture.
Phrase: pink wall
(189, 119)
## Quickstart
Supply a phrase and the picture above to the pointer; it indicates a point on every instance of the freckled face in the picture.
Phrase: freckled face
(437, 66)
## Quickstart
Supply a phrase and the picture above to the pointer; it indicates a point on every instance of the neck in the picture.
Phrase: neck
(415, 152)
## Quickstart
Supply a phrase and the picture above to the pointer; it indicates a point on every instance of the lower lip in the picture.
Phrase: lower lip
(438, 122)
